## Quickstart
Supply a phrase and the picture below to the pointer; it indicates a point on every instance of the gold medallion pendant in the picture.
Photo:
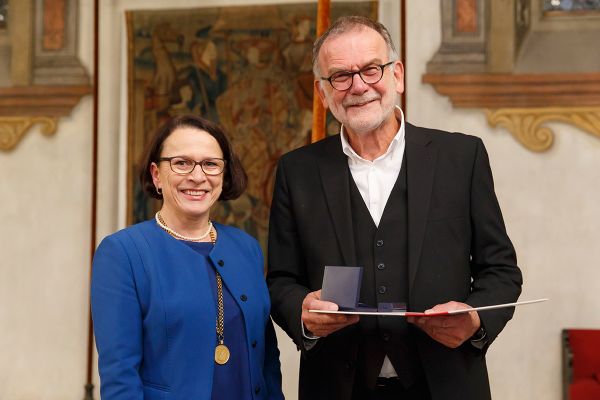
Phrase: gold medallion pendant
(221, 354)
(221, 351)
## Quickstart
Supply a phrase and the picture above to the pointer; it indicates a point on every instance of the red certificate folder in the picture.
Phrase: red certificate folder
(430, 314)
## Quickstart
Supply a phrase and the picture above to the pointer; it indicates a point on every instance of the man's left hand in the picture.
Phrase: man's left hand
(452, 330)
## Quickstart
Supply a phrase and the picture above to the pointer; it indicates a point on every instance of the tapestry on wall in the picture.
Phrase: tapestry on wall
(248, 68)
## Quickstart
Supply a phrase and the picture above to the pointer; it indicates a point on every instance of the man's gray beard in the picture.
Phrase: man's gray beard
(365, 127)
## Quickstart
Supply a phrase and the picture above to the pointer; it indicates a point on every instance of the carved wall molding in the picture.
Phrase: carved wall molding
(482, 63)
(47, 101)
(47, 79)
(526, 125)
(518, 90)
(22, 107)
(12, 129)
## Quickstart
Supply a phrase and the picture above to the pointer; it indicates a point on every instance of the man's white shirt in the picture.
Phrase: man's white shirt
(375, 181)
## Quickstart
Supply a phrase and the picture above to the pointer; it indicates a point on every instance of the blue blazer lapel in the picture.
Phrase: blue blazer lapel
(420, 162)
(240, 266)
(173, 263)
(333, 169)
(235, 265)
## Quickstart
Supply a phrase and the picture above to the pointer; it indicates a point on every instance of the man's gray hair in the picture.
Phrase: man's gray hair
(347, 24)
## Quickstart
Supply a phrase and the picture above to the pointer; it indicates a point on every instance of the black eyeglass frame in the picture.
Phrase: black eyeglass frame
(359, 72)
(200, 163)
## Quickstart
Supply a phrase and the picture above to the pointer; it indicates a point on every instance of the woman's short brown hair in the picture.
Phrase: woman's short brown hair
(235, 179)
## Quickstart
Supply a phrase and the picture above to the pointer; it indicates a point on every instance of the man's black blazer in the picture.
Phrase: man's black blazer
(458, 250)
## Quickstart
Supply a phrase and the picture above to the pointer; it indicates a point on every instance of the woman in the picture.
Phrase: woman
(180, 305)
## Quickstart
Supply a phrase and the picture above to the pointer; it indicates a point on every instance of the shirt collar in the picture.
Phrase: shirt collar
(395, 143)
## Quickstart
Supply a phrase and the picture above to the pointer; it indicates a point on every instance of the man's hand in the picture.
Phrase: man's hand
(451, 331)
(323, 324)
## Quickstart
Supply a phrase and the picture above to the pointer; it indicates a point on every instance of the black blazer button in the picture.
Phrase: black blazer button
(381, 266)
(254, 343)
(243, 297)
(257, 390)
(382, 289)
(221, 263)
(379, 243)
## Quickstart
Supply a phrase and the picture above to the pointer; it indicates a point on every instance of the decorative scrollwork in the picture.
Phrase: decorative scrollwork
(527, 124)
(12, 129)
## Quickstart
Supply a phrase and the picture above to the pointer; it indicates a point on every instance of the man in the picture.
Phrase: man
(416, 208)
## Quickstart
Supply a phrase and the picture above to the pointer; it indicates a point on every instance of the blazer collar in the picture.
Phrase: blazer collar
(333, 168)
(235, 276)
(421, 157)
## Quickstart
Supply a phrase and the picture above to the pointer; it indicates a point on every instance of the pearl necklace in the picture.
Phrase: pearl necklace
(179, 236)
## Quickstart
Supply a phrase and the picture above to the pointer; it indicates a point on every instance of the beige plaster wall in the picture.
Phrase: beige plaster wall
(551, 207)
(550, 204)
(44, 255)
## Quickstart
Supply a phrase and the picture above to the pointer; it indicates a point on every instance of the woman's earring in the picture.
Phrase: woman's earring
(159, 191)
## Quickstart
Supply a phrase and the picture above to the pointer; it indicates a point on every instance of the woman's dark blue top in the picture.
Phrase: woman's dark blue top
(231, 381)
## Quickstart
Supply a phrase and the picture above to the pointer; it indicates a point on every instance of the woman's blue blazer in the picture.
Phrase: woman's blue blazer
(154, 314)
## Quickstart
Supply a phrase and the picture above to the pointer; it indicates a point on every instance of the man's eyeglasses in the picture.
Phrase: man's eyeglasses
(370, 75)
(184, 165)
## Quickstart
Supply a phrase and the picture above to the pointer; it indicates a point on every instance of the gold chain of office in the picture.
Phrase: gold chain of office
(222, 353)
